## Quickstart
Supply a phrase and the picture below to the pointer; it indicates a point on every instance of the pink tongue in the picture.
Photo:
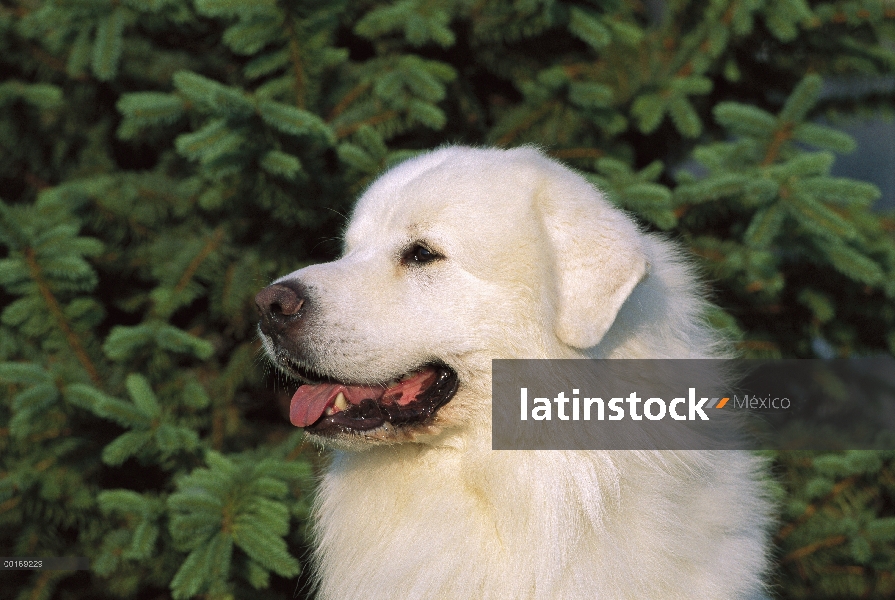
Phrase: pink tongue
(310, 401)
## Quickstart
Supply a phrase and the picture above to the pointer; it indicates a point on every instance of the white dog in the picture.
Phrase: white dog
(455, 258)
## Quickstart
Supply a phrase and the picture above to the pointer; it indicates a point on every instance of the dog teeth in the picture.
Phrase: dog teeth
(401, 378)
(329, 411)
(341, 402)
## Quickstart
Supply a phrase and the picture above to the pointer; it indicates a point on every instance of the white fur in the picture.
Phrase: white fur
(537, 265)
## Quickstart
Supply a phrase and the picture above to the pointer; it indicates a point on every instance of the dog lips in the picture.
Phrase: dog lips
(310, 401)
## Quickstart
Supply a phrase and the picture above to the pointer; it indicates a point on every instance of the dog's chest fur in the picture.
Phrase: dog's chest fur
(414, 522)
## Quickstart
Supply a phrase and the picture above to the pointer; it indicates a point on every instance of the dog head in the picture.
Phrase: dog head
(451, 259)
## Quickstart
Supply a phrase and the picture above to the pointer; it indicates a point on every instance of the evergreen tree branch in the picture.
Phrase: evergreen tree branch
(194, 265)
(781, 135)
(298, 71)
(35, 182)
(530, 120)
(840, 17)
(53, 305)
(10, 504)
(40, 584)
(812, 508)
(218, 427)
(346, 101)
(571, 153)
(345, 131)
(758, 345)
(53, 63)
(804, 551)
(298, 450)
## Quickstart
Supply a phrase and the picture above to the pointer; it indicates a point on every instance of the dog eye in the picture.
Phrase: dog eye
(419, 254)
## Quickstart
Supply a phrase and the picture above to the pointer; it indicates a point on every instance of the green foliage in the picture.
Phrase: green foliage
(162, 160)
(232, 504)
(828, 543)
(793, 218)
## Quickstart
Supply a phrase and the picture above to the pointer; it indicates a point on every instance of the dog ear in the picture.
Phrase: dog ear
(597, 256)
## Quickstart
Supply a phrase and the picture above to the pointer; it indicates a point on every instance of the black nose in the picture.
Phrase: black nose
(280, 305)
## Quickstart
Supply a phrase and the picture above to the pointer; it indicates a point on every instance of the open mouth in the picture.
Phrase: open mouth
(330, 407)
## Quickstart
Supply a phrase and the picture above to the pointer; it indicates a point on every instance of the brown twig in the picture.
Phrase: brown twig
(56, 311)
(374, 120)
(781, 136)
(812, 548)
(840, 17)
(757, 345)
(577, 153)
(39, 585)
(532, 118)
(347, 99)
(297, 67)
(10, 504)
(217, 428)
(36, 182)
(814, 507)
(297, 451)
(197, 261)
